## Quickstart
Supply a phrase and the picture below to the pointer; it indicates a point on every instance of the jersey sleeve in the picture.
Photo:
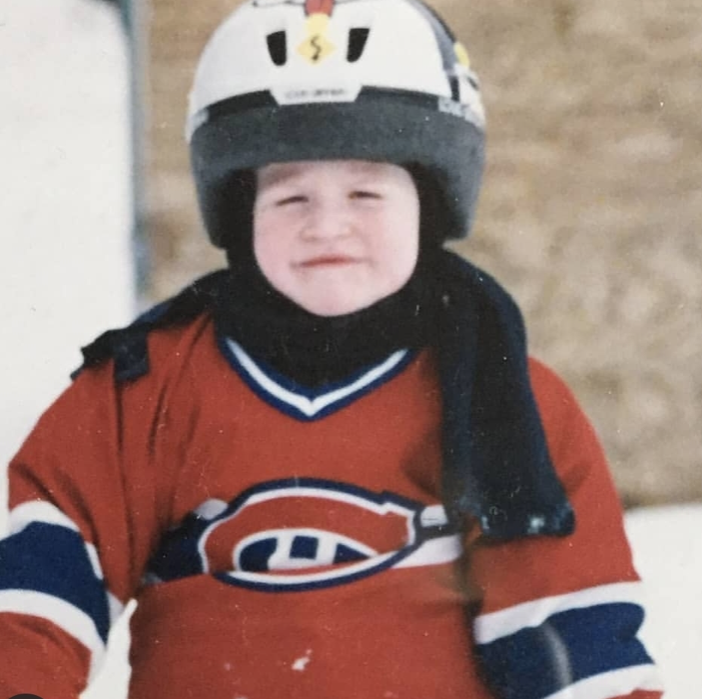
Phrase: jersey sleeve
(73, 554)
(558, 617)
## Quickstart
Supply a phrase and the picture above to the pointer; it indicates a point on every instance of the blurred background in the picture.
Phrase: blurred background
(589, 214)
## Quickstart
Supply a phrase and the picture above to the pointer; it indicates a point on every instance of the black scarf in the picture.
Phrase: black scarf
(312, 350)
(496, 463)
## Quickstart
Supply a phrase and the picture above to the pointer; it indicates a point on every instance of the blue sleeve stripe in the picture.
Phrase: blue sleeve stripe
(567, 648)
(40, 511)
(489, 627)
(52, 560)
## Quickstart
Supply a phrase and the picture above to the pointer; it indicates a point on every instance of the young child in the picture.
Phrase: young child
(329, 471)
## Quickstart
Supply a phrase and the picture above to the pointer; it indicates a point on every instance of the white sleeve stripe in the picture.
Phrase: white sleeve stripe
(38, 511)
(612, 684)
(489, 627)
(68, 618)
(445, 549)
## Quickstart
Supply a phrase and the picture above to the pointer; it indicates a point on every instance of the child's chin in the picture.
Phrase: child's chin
(330, 307)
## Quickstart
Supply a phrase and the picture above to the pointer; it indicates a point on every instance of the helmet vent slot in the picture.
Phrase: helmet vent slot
(358, 36)
(278, 47)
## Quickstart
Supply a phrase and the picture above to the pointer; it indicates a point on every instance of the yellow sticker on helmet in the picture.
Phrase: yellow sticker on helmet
(462, 54)
(316, 47)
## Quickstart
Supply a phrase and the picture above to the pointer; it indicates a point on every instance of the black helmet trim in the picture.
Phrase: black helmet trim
(404, 128)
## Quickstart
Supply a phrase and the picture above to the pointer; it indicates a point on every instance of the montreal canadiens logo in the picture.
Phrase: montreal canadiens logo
(304, 534)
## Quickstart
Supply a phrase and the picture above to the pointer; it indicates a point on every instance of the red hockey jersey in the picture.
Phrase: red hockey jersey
(284, 543)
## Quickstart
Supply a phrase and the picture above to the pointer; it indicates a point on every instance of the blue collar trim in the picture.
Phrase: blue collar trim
(304, 403)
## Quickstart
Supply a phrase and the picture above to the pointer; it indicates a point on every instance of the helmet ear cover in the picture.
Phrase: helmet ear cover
(376, 127)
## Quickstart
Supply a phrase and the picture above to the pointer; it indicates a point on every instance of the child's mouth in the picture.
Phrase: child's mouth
(328, 261)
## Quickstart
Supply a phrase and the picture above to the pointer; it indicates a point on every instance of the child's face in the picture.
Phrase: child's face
(336, 236)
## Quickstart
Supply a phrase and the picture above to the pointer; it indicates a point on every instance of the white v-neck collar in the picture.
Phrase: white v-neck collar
(305, 403)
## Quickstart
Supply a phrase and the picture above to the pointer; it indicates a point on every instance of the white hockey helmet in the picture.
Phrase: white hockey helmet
(290, 80)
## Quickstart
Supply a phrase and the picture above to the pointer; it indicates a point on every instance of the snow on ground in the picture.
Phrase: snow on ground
(667, 545)
(66, 275)
(65, 217)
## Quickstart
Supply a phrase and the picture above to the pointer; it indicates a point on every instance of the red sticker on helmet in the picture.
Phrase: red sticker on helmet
(319, 7)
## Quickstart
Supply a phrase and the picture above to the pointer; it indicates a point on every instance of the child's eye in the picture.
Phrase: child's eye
(365, 194)
(292, 199)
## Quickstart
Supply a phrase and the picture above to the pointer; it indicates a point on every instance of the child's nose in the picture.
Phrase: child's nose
(327, 220)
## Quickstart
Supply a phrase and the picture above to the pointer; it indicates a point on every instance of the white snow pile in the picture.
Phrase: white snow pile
(67, 275)
(65, 218)
(667, 545)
